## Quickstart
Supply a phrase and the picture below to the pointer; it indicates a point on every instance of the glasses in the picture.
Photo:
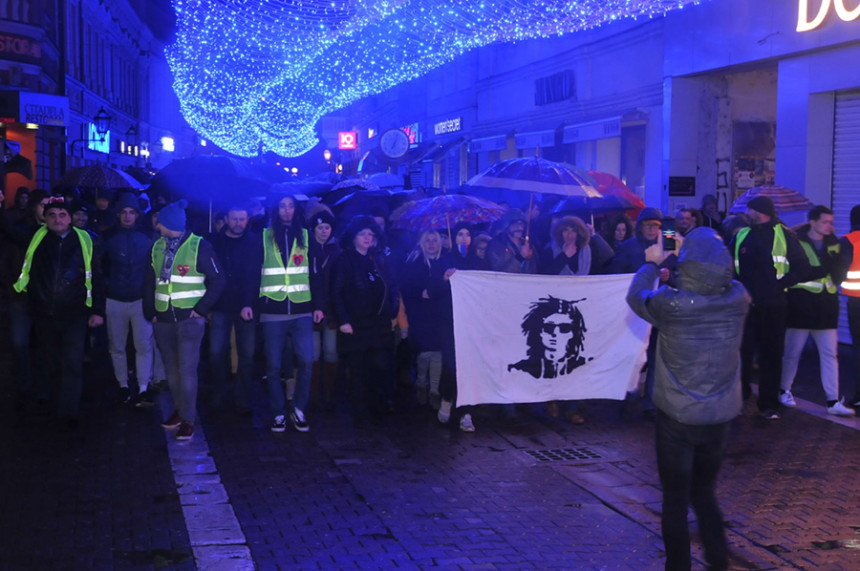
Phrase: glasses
(550, 328)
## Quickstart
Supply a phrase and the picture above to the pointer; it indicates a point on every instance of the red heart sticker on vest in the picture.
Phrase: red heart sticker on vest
(298, 259)
(182, 270)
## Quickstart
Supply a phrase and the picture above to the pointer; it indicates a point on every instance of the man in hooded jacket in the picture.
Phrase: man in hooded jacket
(697, 390)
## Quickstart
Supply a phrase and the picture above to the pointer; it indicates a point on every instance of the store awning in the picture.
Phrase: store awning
(486, 144)
(442, 149)
(542, 139)
(593, 130)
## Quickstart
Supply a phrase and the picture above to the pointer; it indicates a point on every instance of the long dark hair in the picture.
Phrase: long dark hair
(294, 230)
(534, 320)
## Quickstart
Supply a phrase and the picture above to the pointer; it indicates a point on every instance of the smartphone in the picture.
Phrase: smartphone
(668, 230)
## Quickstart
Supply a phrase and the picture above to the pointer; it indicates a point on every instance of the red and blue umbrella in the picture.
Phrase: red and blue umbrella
(784, 199)
(444, 211)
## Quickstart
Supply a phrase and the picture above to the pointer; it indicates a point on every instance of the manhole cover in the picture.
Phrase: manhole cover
(564, 454)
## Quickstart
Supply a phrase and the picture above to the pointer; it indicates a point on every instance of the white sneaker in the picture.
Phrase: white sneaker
(839, 409)
(787, 399)
(466, 423)
(444, 411)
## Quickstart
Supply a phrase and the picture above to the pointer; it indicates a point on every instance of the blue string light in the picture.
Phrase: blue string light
(257, 75)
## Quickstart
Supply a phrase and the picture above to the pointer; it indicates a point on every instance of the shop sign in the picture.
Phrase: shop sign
(43, 109)
(19, 48)
(804, 24)
(448, 126)
(347, 140)
(414, 134)
(592, 131)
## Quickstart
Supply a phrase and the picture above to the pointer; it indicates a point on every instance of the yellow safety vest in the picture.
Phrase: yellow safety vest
(778, 251)
(851, 285)
(278, 282)
(822, 284)
(186, 285)
(86, 248)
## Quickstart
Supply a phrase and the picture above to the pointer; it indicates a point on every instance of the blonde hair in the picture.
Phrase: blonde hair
(420, 249)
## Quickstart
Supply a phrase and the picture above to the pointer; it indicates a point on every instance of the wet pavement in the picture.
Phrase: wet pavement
(409, 493)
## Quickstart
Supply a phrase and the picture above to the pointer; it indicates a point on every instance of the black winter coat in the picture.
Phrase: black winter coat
(362, 295)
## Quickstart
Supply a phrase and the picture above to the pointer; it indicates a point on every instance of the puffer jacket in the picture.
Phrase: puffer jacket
(701, 325)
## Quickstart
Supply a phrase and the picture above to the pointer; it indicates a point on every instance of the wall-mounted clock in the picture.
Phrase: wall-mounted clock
(394, 144)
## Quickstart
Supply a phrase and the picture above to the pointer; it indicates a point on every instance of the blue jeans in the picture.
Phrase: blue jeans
(688, 460)
(276, 333)
(219, 362)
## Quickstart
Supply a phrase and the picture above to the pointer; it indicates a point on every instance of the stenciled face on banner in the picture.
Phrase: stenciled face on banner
(554, 331)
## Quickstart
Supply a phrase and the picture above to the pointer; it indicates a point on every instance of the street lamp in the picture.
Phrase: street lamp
(327, 155)
(131, 140)
(102, 122)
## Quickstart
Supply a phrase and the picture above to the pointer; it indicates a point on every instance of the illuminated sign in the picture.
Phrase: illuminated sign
(448, 126)
(804, 24)
(414, 134)
(20, 48)
(43, 109)
(347, 140)
(95, 142)
(167, 144)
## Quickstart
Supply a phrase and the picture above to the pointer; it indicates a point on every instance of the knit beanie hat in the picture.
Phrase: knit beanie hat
(172, 216)
(57, 202)
(322, 216)
(78, 206)
(855, 217)
(649, 213)
(512, 215)
(127, 200)
(762, 204)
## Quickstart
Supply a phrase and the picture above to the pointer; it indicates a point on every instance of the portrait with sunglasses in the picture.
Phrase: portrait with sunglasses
(555, 338)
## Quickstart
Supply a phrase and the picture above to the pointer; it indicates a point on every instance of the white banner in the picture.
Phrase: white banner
(531, 338)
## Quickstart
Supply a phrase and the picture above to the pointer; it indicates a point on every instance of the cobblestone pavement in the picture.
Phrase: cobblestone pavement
(408, 493)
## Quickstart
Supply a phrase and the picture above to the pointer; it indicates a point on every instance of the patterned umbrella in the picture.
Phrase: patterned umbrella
(444, 211)
(610, 185)
(534, 174)
(386, 180)
(784, 199)
(97, 177)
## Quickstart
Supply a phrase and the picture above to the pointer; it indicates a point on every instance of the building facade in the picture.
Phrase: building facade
(65, 62)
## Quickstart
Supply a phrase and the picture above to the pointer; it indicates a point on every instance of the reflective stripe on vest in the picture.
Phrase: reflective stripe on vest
(186, 286)
(278, 282)
(778, 251)
(86, 249)
(851, 285)
(819, 285)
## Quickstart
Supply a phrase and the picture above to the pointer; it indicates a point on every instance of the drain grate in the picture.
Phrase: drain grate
(562, 454)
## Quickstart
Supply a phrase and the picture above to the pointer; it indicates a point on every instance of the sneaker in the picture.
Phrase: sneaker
(124, 395)
(145, 399)
(787, 398)
(299, 422)
(444, 411)
(185, 432)
(421, 395)
(466, 424)
(279, 424)
(172, 422)
(435, 400)
(769, 414)
(839, 409)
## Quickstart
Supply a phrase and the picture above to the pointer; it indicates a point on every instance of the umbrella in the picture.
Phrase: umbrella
(607, 203)
(443, 211)
(386, 179)
(97, 177)
(611, 185)
(216, 178)
(539, 175)
(347, 187)
(784, 199)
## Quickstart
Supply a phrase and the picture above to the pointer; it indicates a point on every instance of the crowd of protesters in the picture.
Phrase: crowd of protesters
(331, 305)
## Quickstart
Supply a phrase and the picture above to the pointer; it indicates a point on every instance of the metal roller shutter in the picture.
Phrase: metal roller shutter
(846, 174)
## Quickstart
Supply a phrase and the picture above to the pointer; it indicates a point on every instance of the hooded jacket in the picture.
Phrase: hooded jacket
(700, 326)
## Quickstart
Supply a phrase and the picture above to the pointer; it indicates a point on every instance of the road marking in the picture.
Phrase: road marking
(217, 540)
